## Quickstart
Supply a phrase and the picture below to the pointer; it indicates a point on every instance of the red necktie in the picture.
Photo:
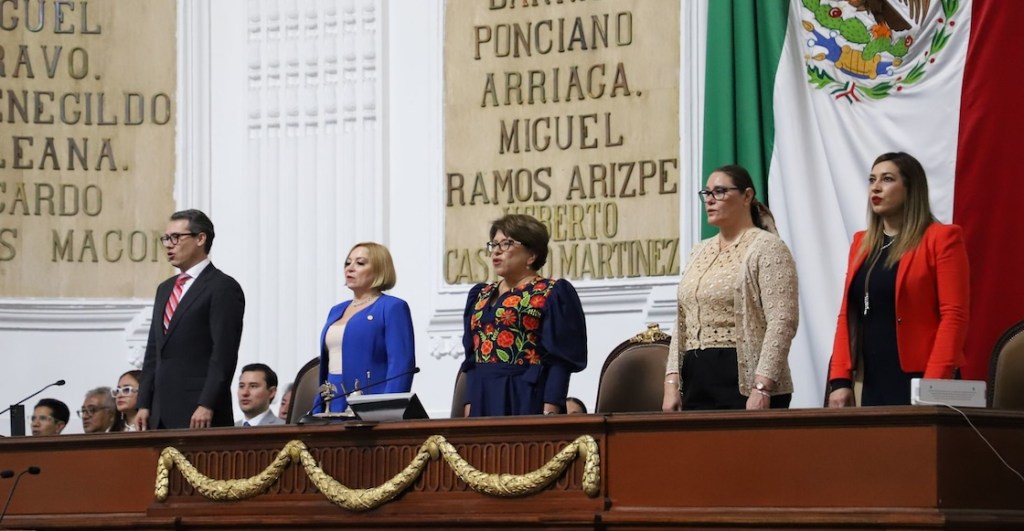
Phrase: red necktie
(172, 303)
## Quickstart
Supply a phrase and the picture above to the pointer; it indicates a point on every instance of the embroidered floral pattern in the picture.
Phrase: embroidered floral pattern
(510, 333)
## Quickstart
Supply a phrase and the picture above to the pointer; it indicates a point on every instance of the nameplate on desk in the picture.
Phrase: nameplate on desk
(387, 406)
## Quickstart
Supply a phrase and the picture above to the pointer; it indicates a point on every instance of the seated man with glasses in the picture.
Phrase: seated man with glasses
(49, 417)
(97, 411)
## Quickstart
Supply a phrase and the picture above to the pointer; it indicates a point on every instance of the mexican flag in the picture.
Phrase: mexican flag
(806, 93)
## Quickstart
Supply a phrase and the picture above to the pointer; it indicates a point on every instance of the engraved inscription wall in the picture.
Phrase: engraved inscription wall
(87, 107)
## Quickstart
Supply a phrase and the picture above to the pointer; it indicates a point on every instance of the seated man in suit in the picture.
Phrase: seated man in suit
(257, 386)
(98, 411)
(49, 417)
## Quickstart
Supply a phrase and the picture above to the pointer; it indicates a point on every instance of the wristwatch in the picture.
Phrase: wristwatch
(761, 387)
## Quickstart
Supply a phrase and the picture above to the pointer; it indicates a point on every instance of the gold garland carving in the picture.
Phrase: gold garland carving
(365, 499)
(505, 485)
(222, 489)
(651, 335)
(510, 485)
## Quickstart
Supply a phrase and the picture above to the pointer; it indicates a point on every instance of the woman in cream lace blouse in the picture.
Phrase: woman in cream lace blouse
(737, 307)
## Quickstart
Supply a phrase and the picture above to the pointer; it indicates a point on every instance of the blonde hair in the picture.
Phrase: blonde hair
(383, 267)
(917, 212)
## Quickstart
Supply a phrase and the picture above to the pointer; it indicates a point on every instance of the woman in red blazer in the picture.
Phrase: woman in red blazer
(905, 303)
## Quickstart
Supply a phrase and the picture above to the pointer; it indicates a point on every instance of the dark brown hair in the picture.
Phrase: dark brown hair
(759, 212)
(527, 231)
(119, 424)
(198, 223)
(917, 211)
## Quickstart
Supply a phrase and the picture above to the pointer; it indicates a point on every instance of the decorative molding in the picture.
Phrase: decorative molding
(663, 307)
(193, 182)
(619, 297)
(306, 59)
(445, 333)
(131, 316)
(137, 335)
(504, 484)
(60, 315)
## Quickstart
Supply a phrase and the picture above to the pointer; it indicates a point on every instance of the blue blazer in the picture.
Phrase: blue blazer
(378, 344)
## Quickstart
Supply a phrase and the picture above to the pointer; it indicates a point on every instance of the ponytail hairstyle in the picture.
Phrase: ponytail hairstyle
(917, 212)
(759, 213)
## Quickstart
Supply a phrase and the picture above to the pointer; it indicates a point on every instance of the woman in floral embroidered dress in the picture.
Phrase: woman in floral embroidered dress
(525, 334)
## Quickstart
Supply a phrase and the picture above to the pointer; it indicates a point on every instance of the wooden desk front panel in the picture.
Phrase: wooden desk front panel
(812, 469)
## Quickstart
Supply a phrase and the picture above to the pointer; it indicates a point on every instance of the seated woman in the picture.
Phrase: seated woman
(737, 308)
(906, 296)
(575, 406)
(369, 338)
(126, 398)
(524, 334)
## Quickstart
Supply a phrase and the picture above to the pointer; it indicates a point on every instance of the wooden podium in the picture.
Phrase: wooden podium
(907, 467)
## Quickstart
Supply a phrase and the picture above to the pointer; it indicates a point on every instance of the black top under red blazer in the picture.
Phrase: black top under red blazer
(194, 362)
(932, 306)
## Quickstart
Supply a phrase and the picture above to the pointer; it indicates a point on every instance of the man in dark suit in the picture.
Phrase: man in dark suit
(193, 339)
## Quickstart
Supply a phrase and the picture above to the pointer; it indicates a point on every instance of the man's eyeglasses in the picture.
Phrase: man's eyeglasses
(89, 411)
(125, 390)
(717, 192)
(42, 418)
(504, 245)
(175, 236)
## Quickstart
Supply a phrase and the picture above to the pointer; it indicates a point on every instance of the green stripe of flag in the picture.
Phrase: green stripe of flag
(744, 43)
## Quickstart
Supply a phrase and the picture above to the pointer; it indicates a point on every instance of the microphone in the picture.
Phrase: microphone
(6, 474)
(58, 383)
(34, 470)
(18, 411)
(330, 399)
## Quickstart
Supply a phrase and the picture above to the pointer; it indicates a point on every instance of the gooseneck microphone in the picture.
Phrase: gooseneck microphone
(34, 470)
(18, 410)
(330, 399)
(22, 401)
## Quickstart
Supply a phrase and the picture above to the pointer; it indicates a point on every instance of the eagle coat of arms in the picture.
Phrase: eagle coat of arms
(869, 49)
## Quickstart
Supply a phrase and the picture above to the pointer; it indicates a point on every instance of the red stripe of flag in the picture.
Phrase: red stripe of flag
(987, 201)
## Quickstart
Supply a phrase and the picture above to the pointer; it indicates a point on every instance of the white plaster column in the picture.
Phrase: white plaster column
(311, 181)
